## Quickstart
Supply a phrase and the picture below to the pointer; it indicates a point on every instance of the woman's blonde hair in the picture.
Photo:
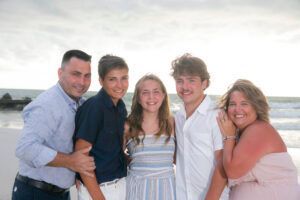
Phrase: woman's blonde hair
(135, 118)
(253, 94)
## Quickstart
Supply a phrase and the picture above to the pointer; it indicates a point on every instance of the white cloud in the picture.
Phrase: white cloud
(235, 38)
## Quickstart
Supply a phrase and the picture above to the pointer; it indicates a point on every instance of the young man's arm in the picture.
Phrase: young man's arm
(89, 182)
(219, 179)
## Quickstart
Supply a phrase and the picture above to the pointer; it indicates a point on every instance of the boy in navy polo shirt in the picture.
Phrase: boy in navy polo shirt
(100, 124)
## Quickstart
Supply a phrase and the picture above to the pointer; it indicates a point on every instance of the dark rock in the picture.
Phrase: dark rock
(6, 96)
(6, 102)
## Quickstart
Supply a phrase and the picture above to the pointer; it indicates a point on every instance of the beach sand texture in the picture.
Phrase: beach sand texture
(9, 163)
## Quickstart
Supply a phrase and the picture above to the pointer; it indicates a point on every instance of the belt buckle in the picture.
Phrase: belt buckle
(110, 182)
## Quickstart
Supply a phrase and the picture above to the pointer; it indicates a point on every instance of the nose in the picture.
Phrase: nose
(84, 81)
(81, 80)
(184, 85)
(238, 108)
(119, 83)
(151, 95)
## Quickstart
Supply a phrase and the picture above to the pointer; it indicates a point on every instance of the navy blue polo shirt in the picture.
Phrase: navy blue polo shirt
(101, 123)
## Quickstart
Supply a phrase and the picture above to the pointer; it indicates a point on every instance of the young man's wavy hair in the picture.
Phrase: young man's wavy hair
(135, 118)
(191, 66)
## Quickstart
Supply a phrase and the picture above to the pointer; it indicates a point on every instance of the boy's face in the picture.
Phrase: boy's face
(115, 84)
(190, 89)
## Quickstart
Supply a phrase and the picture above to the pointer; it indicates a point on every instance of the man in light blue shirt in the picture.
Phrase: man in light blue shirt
(45, 148)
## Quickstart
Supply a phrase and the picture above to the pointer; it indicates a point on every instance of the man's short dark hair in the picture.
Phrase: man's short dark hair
(77, 54)
(109, 62)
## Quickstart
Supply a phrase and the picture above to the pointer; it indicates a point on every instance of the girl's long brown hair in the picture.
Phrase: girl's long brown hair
(135, 118)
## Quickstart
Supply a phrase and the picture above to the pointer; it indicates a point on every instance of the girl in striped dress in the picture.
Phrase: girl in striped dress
(150, 143)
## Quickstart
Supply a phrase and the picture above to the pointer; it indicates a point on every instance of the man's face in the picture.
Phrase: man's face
(75, 77)
(115, 83)
(190, 89)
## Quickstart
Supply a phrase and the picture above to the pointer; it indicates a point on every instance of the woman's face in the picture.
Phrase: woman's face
(240, 110)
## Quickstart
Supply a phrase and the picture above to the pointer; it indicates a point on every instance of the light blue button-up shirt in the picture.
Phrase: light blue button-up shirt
(49, 123)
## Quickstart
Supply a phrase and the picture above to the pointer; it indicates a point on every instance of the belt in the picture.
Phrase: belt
(47, 187)
(109, 183)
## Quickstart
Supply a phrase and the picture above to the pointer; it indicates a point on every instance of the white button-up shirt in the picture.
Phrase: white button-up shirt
(198, 137)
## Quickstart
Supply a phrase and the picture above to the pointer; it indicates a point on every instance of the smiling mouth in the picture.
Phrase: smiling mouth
(186, 93)
(151, 104)
(239, 116)
(119, 91)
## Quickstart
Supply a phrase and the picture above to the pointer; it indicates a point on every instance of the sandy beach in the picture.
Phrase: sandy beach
(9, 166)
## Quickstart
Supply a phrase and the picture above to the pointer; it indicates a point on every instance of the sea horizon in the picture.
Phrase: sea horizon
(91, 92)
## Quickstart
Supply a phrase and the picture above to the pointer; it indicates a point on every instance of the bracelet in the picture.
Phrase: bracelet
(230, 137)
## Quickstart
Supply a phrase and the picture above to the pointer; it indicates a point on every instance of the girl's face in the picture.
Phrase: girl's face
(151, 96)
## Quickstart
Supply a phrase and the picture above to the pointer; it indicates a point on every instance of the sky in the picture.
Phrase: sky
(249, 39)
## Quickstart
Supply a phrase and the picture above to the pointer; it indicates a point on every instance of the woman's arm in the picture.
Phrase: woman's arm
(255, 142)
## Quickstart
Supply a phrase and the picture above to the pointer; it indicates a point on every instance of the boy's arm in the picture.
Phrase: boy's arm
(89, 182)
(219, 179)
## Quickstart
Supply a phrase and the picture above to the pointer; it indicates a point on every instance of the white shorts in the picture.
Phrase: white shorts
(112, 190)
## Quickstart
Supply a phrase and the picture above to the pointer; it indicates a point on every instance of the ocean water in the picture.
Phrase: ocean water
(284, 113)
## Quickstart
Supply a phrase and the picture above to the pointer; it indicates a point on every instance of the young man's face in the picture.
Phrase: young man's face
(190, 89)
(75, 77)
(115, 84)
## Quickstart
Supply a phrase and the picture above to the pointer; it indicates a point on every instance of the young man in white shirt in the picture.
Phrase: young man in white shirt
(199, 170)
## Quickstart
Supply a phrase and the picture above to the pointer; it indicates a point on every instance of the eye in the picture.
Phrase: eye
(77, 74)
(179, 81)
(145, 92)
(245, 103)
(231, 104)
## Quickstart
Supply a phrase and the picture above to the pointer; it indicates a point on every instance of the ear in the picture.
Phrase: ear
(100, 81)
(59, 72)
(204, 84)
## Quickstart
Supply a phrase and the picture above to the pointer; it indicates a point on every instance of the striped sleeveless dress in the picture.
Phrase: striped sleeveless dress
(151, 173)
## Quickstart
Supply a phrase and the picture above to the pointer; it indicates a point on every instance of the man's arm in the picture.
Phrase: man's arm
(78, 161)
(218, 180)
(31, 146)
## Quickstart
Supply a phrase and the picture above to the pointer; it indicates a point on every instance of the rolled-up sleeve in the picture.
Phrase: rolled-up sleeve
(39, 125)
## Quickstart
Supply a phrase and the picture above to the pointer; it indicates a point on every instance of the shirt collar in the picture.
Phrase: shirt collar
(201, 109)
(204, 105)
(71, 102)
(108, 101)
